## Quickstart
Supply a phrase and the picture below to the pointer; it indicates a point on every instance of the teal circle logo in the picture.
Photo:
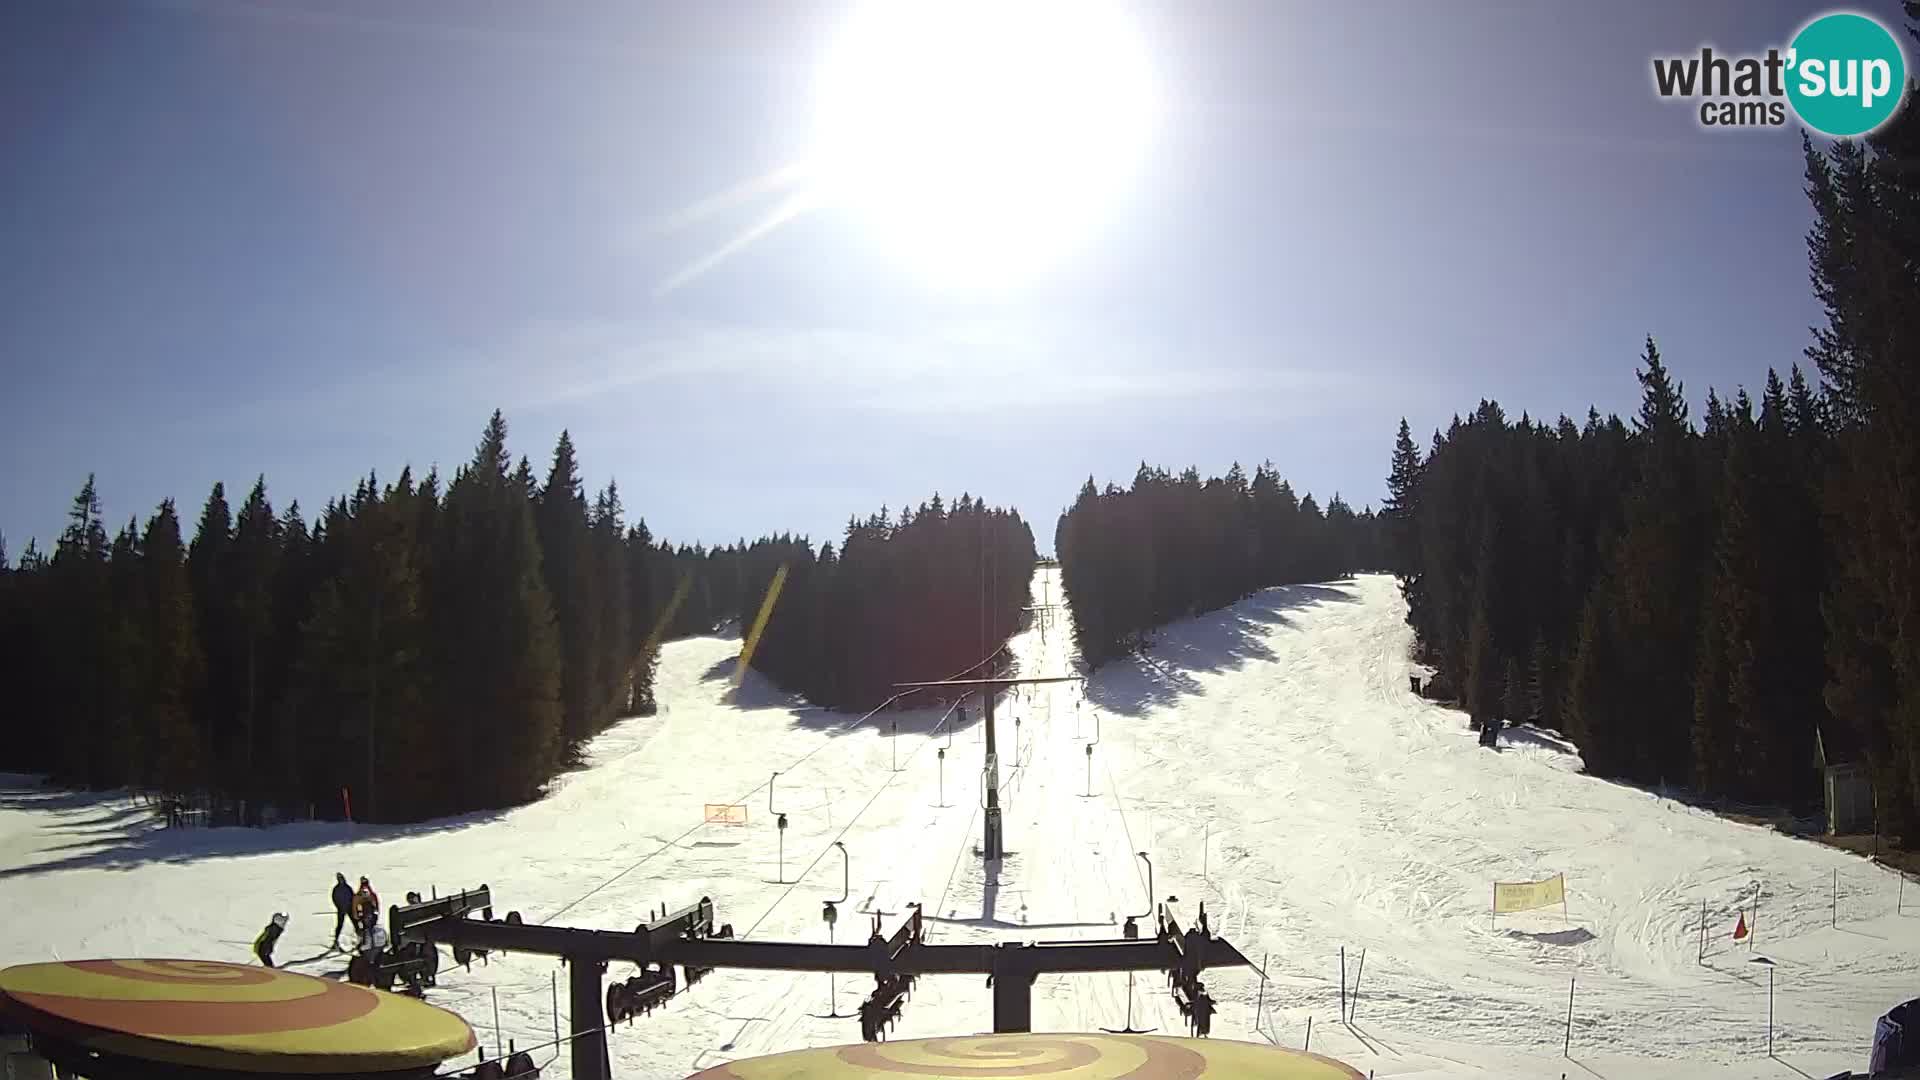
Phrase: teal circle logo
(1846, 74)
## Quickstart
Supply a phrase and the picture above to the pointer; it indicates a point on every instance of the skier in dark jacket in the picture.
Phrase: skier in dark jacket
(342, 905)
(263, 945)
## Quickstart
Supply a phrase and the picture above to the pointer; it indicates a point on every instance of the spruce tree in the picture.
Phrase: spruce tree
(362, 663)
(254, 562)
(560, 514)
(1651, 606)
(500, 663)
(80, 611)
(209, 559)
(1400, 508)
(612, 594)
(1864, 251)
(172, 744)
(119, 754)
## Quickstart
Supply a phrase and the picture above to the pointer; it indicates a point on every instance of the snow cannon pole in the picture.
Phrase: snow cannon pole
(1354, 1005)
(1567, 1051)
(496, 1023)
(1262, 999)
(1308, 1045)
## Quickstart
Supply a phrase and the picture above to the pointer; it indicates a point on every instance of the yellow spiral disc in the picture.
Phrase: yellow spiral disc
(1056, 1057)
(216, 1015)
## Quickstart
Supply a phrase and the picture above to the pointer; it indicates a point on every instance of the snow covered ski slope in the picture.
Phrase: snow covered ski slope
(1270, 759)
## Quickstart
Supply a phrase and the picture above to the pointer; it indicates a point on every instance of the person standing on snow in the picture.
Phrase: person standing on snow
(342, 905)
(366, 906)
(263, 945)
(374, 942)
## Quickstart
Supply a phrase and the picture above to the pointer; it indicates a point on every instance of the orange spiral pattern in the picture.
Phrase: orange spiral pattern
(1055, 1056)
(213, 1014)
(177, 972)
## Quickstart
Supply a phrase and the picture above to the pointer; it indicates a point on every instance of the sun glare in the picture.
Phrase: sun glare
(982, 140)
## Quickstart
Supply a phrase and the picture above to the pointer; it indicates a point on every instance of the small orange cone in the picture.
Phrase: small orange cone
(1740, 928)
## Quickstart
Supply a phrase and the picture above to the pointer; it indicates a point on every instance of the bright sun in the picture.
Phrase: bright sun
(982, 140)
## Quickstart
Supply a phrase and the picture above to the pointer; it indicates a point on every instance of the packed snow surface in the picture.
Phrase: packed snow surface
(1269, 758)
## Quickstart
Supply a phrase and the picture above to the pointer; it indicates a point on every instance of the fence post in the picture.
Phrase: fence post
(1262, 999)
(1308, 1045)
(1770, 1010)
(1567, 1051)
(1343, 982)
(1353, 1005)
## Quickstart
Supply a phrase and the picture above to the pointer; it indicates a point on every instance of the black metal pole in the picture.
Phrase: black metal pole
(1353, 1006)
(1567, 1051)
(1012, 990)
(589, 1035)
(994, 841)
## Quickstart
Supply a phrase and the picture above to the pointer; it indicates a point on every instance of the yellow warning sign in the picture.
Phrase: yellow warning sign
(1527, 895)
(726, 814)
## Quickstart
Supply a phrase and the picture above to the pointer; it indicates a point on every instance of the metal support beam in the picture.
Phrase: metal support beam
(991, 842)
(874, 957)
(688, 938)
(1001, 683)
(589, 1055)
(993, 838)
(1012, 978)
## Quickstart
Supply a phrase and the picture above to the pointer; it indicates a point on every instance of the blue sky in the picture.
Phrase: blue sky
(312, 240)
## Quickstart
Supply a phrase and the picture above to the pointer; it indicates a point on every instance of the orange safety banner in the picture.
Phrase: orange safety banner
(726, 814)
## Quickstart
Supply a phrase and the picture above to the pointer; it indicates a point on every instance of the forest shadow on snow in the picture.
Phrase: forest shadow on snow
(914, 715)
(1215, 641)
(107, 830)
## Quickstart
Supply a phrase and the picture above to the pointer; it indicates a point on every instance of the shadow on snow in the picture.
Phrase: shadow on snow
(1216, 641)
(916, 715)
(112, 834)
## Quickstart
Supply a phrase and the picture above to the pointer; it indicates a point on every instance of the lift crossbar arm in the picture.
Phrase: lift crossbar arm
(688, 938)
(1062, 957)
(989, 682)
